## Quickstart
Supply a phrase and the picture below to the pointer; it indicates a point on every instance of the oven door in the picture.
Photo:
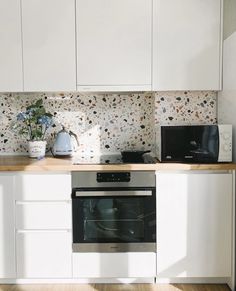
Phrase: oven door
(114, 220)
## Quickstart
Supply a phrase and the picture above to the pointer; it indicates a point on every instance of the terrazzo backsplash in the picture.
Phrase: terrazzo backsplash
(107, 122)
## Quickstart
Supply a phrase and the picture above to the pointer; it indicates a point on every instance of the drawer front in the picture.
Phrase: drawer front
(43, 215)
(37, 186)
(43, 254)
(127, 265)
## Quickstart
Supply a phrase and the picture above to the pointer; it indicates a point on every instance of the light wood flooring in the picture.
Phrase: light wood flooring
(115, 287)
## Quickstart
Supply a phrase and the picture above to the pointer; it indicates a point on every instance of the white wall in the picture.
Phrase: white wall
(227, 97)
(229, 17)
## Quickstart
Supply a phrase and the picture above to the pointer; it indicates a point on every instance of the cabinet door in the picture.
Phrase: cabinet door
(49, 45)
(44, 254)
(114, 44)
(194, 225)
(11, 76)
(187, 45)
(7, 232)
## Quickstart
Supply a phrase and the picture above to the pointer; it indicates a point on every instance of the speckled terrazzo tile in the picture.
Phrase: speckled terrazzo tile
(107, 122)
(103, 123)
(189, 107)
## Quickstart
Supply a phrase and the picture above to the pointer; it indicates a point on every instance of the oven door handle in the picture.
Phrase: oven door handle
(113, 193)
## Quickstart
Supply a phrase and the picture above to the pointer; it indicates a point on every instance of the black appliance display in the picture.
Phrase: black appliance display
(114, 212)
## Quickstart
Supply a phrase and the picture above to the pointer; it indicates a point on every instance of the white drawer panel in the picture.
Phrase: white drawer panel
(114, 265)
(43, 186)
(43, 254)
(43, 215)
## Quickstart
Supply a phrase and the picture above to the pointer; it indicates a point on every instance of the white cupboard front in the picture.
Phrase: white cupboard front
(114, 45)
(44, 254)
(11, 74)
(194, 224)
(43, 186)
(114, 265)
(43, 225)
(43, 215)
(49, 45)
(187, 45)
(7, 229)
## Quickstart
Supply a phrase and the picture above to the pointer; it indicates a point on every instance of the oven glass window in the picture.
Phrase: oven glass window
(114, 219)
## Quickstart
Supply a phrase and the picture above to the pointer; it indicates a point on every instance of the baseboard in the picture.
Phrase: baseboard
(193, 280)
(80, 281)
(224, 280)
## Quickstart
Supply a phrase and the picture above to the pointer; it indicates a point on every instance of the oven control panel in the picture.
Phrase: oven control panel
(113, 177)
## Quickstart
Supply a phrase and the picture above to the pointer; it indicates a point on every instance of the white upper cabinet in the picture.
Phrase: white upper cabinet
(187, 45)
(117, 45)
(114, 44)
(49, 45)
(11, 46)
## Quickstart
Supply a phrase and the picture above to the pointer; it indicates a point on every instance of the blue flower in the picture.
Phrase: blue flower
(45, 120)
(30, 112)
(22, 116)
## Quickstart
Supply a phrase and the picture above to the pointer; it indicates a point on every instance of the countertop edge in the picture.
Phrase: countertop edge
(23, 163)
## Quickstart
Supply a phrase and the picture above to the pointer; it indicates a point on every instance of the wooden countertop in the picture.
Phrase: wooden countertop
(23, 163)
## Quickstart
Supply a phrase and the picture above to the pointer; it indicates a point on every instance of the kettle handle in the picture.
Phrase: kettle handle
(75, 136)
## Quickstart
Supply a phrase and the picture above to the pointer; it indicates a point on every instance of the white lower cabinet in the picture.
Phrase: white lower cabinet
(42, 254)
(194, 224)
(43, 186)
(7, 231)
(56, 215)
(195, 230)
(114, 265)
(43, 225)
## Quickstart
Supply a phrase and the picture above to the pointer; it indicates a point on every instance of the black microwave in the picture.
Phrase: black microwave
(194, 143)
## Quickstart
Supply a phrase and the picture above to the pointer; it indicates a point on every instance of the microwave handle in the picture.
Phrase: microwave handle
(113, 193)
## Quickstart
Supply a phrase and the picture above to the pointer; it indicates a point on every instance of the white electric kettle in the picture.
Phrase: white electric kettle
(63, 145)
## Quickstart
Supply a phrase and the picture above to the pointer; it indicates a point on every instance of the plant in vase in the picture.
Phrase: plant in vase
(33, 125)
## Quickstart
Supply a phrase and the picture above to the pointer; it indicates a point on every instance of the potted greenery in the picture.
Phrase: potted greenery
(33, 124)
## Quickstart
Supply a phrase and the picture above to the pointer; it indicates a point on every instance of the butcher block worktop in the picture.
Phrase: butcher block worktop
(23, 163)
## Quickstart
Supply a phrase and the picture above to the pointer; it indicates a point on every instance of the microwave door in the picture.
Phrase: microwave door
(175, 143)
(190, 143)
(204, 146)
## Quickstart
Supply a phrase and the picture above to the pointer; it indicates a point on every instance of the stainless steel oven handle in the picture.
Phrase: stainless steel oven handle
(113, 193)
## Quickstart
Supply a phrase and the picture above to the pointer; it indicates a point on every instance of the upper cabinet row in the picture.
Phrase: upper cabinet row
(110, 45)
(37, 51)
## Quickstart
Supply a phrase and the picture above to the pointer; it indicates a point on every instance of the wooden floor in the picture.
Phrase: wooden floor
(115, 287)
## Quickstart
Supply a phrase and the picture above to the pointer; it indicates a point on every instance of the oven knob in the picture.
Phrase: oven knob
(226, 135)
(226, 148)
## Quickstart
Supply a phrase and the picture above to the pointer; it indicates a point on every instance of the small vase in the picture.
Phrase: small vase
(37, 148)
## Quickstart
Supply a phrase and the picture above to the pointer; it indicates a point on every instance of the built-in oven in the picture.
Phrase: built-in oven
(114, 211)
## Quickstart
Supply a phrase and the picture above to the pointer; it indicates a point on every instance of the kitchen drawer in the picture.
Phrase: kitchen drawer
(114, 265)
(43, 254)
(38, 186)
(43, 215)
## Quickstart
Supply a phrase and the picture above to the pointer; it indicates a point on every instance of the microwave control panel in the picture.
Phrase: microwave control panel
(225, 147)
